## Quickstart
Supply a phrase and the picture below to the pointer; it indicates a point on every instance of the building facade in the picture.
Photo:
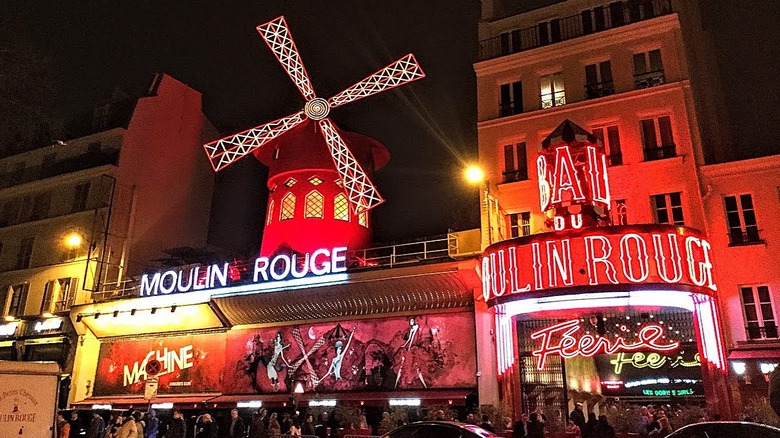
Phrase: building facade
(75, 212)
(637, 77)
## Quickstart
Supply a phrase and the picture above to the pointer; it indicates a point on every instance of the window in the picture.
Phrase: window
(510, 42)
(269, 216)
(363, 218)
(67, 296)
(288, 207)
(24, 256)
(10, 213)
(100, 117)
(520, 224)
(47, 303)
(290, 182)
(652, 130)
(593, 20)
(315, 181)
(41, 206)
(549, 31)
(553, 93)
(80, 198)
(515, 162)
(341, 208)
(619, 212)
(598, 80)
(741, 219)
(648, 69)
(759, 315)
(611, 144)
(17, 299)
(668, 208)
(314, 205)
(511, 99)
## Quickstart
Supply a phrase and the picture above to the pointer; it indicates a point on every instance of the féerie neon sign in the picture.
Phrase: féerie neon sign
(559, 339)
(277, 268)
(663, 255)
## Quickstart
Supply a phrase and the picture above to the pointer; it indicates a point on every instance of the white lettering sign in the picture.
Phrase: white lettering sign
(48, 324)
(171, 361)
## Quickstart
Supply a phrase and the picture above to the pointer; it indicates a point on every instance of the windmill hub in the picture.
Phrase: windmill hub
(317, 108)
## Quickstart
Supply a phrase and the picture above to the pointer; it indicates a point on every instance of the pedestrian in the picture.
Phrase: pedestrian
(75, 423)
(63, 427)
(138, 416)
(307, 428)
(486, 424)
(178, 427)
(590, 426)
(573, 429)
(153, 426)
(237, 427)
(97, 426)
(535, 427)
(604, 429)
(295, 428)
(321, 429)
(286, 423)
(470, 419)
(520, 429)
(665, 428)
(207, 428)
(274, 428)
(257, 427)
(129, 428)
(577, 416)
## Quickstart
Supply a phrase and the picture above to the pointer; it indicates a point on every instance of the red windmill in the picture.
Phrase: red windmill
(300, 158)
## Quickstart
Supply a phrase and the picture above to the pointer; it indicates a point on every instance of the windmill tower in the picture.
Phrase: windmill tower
(321, 194)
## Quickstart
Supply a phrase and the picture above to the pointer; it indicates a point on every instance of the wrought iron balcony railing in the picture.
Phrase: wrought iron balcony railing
(509, 108)
(515, 175)
(599, 89)
(599, 19)
(649, 79)
(749, 236)
(768, 331)
(660, 153)
(550, 100)
(615, 159)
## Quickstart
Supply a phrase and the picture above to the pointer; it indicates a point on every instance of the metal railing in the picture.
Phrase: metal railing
(615, 159)
(562, 29)
(550, 100)
(515, 175)
(749, 236)
(404, 253)
(661, 152)
(762, 332)
(60, 167)
(599, 89)
(649, 79)
(509, 108)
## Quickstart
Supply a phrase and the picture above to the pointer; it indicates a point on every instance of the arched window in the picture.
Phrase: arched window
(363, 218)
(314, 205)
(341, 208)
(269, 217)
(288, 207)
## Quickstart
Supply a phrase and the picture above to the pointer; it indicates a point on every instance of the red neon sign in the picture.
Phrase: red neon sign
(559, 339)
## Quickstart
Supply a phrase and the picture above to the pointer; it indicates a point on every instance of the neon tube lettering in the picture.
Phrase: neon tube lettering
(674, 255)
(544, 185)
(565, 178)
(514, 274)
(501, 280)
(325, 265)
(275, 274)
(591, 259)
(305, 265)
(537, 265)
(627, 259)
(559, 263)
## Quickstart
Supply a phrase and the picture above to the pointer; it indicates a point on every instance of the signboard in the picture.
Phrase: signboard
(28, 398)
(664, 256)
(265, 270)
(150, 389)
(651, 374)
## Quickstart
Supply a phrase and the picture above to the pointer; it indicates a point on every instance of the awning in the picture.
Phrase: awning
(756, 353)
(382, 291)
(456, 397)
(119, 402)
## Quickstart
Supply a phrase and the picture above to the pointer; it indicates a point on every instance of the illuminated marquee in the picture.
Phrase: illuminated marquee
(280, 267)
(673, 257)
(559, 339)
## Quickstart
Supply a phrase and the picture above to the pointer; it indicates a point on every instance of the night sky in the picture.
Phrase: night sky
(429, 126)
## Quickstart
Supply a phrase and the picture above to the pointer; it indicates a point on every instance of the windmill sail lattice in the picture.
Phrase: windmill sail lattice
(360, 191)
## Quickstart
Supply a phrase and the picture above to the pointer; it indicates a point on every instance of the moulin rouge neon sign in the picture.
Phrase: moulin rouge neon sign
(559, 339)
(278, 268)
(627, 255)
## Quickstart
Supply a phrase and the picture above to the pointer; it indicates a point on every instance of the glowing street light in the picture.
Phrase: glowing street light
(73, 240)
(474, 174)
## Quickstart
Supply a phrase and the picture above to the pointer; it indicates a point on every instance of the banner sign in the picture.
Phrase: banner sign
(660, 255)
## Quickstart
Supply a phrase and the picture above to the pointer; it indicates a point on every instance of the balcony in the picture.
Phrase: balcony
(660, 153)
(750, 236)
(515, 176)
(649, 79)
(550, 100)
(61, 167)
(615, 159)
(756, 332)
(599, 89)
(509, 108)
(561, 29)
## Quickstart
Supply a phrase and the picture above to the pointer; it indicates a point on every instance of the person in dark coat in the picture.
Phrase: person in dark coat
(520, 429)
(97, 426)
(577, 416)
(486, 424)
(207, 428)
(590, 426)
(603, 429)
(535, 427)
(257, 428)
(307, 428)
(237, 429)
(178, 427)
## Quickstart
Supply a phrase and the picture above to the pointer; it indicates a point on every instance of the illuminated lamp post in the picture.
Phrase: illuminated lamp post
(475, 175)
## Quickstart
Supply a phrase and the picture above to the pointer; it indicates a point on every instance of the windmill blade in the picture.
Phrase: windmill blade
(398, 73)
(223, 152)
(279, 40)
(361, 192)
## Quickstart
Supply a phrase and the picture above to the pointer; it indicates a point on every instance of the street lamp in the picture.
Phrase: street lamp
(73, 240)
(475, 175)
